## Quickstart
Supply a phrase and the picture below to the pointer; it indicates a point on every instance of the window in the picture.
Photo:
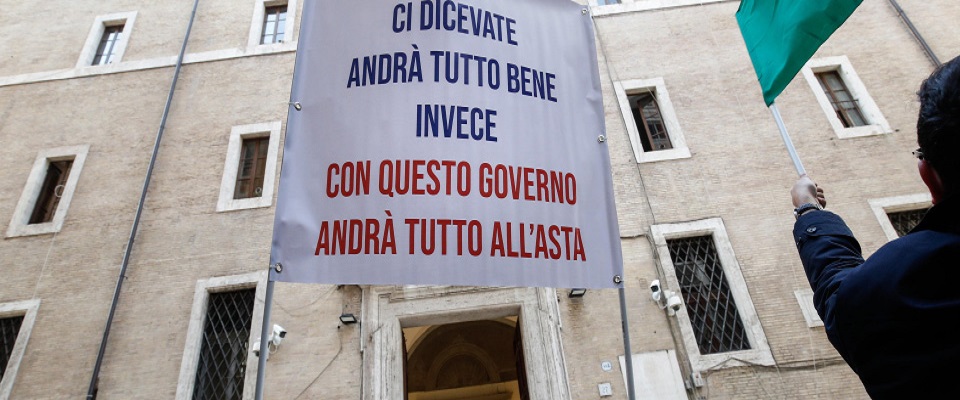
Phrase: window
(844, 98)
(249, 171)
(221, 369)
(720, 327)
(840, 98)
(51, 192)
(9, 329)
(611, 7)
(706, 294)
(899, 215)
(107, 40)
(650, 120)
(49, 189)
(904, 221)
(107, 48)
(646, 114)
(253, 160)
(805, 299)
(218, 360)
(273, 23)
(16, 324)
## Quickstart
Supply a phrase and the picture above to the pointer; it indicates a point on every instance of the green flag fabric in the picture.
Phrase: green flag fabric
(781, 35)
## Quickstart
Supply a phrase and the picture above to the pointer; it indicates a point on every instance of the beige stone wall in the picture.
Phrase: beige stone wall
(738, 171)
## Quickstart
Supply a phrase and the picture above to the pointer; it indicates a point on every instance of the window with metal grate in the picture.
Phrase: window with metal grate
(710, 305)
(904, 221)
(223, 353)
(9, 329)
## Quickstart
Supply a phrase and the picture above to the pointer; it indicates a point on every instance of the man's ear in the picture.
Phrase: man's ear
(932, 179)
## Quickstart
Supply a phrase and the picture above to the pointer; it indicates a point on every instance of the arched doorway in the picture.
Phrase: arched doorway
(475, 360)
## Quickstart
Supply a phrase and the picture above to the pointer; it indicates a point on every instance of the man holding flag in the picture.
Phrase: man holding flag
(892, 317)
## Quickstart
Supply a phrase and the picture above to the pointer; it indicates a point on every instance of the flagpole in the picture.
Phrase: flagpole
(265, 335)
(628, 354)
(787, 141)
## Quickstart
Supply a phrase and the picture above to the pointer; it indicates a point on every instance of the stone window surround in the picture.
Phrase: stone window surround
(19, 223)
(191, 350)
(626, 6)
(231, 166)
(96, 33)
(670, 121)
(27, 309)
(805, 299)
(256, 24)
(759, 352)
(877, 122)
(387, 310)
(881, 207)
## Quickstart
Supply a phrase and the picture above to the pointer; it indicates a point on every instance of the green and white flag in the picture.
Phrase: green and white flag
(781, 35)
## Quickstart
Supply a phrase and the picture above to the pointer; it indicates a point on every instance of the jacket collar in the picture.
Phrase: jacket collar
(943, 217)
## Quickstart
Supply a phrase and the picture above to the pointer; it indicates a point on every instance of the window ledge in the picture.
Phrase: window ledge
(153, 63)
(861, 131)
(663, 155)
(646, 5)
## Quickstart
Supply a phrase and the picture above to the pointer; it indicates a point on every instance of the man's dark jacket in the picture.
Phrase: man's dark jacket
(895, 318)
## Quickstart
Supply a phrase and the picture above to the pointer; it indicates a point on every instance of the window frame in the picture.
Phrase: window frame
(882, 206)
(198, 314)
(259, 144)
(658, 88)
(89, 51)
(19, 223)
(267, 12)
(256, 24)
(759, 352)
(805, 300)
(876, 122)
(43, 197)
(598, 10)
(28, 309)
(231, 165)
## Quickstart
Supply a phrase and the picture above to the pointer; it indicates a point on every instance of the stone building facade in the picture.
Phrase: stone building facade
(704, 173)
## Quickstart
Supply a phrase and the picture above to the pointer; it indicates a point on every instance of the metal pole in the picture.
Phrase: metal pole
(628, 355)
(264, 336)
(92, 389)
(916, 33)
(786, 140)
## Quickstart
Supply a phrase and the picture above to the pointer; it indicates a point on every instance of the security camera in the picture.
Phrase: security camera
(674, 303)
(278, 334)
(655, 290)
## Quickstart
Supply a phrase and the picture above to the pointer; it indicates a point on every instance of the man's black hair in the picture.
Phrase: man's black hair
(938, 125)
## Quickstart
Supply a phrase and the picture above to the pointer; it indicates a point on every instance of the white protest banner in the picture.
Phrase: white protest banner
(446, 142)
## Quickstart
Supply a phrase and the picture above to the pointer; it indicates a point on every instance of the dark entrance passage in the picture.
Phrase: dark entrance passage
(475, 360)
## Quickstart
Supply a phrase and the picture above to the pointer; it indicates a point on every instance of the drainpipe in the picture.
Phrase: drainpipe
(92, 389)
(916, 34)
